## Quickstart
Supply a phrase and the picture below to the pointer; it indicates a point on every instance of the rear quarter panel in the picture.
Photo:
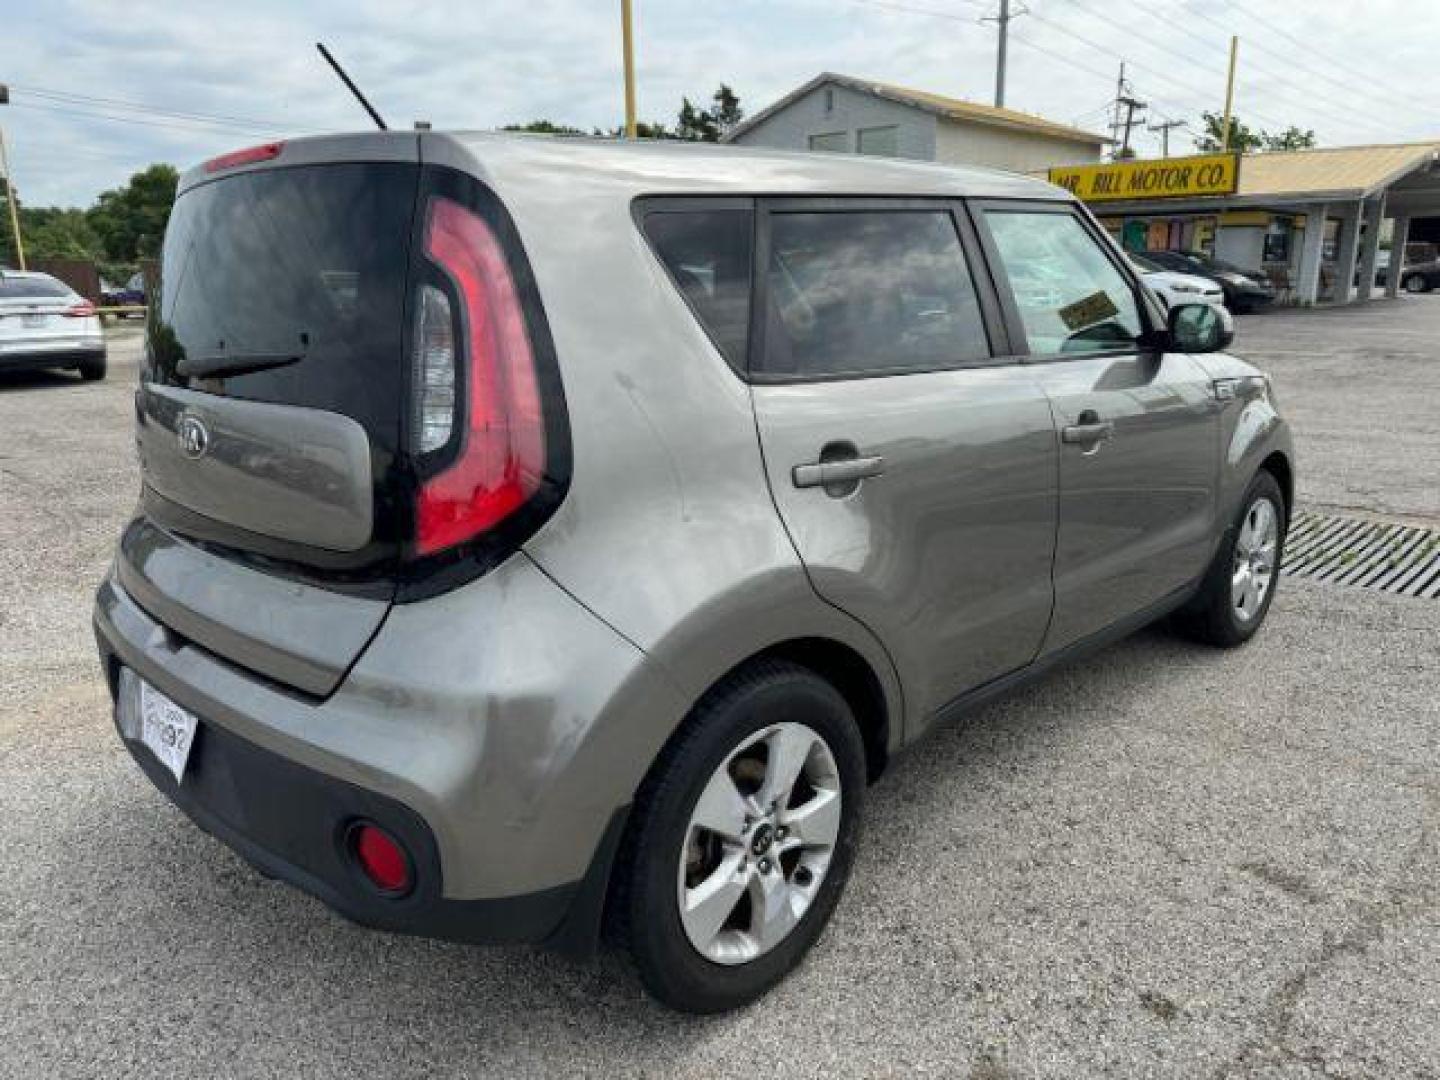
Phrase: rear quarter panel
(668, 532)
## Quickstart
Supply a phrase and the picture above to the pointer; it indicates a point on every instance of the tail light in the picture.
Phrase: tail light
(500, 460)
(83, 310)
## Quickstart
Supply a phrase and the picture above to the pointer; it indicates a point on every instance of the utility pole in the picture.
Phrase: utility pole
(1124, 99)
(1131, 104)
(1229, 95)
(1002, 24)
(1164, 128)
(627, 34)
(1115, 113)
(10, 187)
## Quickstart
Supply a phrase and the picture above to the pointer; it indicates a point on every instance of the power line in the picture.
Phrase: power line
(179, 125)
(135, 106)
(1362, 115)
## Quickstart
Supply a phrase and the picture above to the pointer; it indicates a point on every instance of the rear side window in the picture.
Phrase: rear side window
(869, 293)
(13, 288)
(708, 255)
(1071, 297)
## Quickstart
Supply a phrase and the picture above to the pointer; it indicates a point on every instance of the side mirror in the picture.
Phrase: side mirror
(1200, 328)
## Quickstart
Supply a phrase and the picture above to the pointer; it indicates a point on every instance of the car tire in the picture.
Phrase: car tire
(1233, 600)
(1416, 283)
(93, 370)
(778, 874)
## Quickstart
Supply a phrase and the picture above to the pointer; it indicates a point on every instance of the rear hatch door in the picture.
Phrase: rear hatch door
(270, 407)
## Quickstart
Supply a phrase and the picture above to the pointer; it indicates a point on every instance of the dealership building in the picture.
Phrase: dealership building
(1311, 220)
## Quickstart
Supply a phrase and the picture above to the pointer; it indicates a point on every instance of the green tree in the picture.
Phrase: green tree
(692, 124)
(1248, 140)
(710, 124)
(130, 221)
(52, 233)
(544, 127)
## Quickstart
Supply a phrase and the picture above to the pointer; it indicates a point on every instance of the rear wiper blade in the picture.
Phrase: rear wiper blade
(205, 367)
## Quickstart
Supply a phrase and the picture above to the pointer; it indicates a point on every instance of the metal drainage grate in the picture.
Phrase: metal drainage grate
(1378, 555)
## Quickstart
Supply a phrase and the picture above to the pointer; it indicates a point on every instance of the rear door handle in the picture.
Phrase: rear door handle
(844, 471)
(1088, 433)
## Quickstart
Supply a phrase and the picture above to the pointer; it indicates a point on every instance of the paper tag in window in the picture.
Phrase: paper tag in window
(1088, 310)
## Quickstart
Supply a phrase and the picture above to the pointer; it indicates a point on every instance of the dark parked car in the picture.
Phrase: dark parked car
(131, 294)
(1245, 290)
(1421, 277)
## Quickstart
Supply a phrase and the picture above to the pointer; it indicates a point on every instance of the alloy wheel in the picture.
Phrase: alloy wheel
(1254, 567)
(759, 843)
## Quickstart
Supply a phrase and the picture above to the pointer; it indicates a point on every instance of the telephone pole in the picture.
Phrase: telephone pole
(1164, 128)
(1002, 24)
(1124, 99)
(627, 34)
(1229, 95)
(10, 188)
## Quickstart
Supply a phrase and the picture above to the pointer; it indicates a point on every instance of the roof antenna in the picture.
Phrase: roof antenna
(351, 85)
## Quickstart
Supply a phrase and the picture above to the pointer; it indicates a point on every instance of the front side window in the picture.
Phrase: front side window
(869, 292)
(1071, 297)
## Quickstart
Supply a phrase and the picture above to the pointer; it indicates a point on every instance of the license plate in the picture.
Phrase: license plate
(33, 322)
(165, 729)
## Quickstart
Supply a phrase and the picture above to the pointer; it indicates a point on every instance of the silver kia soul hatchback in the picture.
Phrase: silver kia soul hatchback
(546, 540)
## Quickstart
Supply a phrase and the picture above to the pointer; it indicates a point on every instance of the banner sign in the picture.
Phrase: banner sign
(1168, 178)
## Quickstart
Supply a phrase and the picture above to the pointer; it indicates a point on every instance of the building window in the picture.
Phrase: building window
(881, 141)
(829, 100)
(835, 142)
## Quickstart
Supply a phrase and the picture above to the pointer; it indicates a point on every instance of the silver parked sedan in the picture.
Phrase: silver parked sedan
(46, 324)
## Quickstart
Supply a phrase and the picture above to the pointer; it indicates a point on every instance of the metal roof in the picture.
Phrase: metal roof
(1342, 171)
(515, 163)
(948, 108)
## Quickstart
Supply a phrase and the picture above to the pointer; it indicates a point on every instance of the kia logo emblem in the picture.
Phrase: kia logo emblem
(194, 436)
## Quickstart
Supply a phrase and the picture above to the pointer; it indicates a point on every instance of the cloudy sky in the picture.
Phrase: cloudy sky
(100, 89)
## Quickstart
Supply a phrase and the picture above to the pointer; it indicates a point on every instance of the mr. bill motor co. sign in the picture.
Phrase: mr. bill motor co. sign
(1207, 174)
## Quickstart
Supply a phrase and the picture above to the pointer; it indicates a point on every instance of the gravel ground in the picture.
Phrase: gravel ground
(1163, 862)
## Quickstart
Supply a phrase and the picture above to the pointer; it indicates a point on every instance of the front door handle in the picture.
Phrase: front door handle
(846, 471)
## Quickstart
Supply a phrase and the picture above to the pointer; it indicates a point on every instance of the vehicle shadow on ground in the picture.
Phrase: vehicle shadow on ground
(38, 380)
(179, 901)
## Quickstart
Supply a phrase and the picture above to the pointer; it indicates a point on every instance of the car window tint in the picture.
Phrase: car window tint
(1071, 297)
(707, 253)
(13, 288)
(869, 292)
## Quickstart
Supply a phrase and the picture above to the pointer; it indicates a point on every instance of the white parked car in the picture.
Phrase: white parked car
(46, 324)
(1175, 288)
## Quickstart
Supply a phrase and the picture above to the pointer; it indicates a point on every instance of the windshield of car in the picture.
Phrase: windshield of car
(1144, 265)
(31, 288)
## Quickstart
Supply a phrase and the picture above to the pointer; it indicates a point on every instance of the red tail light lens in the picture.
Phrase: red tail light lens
(501, 459)
(248, 156)
(83, 310)
(381, 858)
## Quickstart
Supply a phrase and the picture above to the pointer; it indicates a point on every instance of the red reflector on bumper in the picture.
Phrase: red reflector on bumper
(381, 858)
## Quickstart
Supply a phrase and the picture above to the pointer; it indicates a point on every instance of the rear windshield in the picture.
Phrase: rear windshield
(31, 289)
(300, 270)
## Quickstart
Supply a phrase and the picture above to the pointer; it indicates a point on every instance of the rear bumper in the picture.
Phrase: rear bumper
(67, 352)
(289, 821)
(505, 762)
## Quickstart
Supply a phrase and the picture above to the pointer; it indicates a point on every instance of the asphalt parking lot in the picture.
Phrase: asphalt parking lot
(1164, 862)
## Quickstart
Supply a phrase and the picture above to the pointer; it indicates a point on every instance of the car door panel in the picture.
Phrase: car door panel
(946, 555)
(875, 362)
(1139, 437)
(1136, 510)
